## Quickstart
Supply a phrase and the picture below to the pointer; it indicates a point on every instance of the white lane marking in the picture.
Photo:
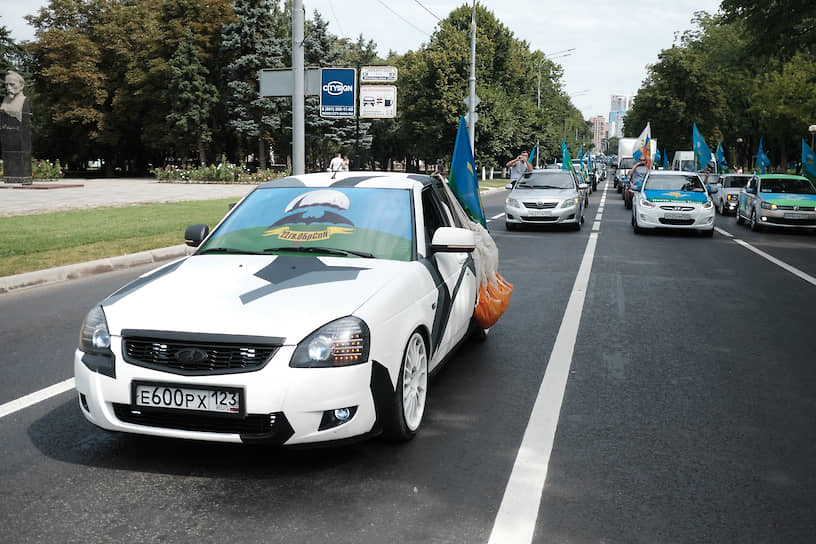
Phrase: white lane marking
(792, 269)
(723, 232)
(35, 397)
(596, 226)
(516, 519)
(497, 216)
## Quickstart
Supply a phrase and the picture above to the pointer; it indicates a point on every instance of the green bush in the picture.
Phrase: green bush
(42, 169)
(223, 173)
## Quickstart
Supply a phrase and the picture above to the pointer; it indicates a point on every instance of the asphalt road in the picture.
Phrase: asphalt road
(687, 414)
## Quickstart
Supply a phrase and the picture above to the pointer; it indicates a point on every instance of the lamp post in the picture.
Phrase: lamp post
(739, 150)
(812, 130)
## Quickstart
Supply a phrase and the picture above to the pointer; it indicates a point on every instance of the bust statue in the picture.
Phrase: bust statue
(15, 131)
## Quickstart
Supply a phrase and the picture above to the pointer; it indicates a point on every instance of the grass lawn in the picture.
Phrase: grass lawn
(37, 242)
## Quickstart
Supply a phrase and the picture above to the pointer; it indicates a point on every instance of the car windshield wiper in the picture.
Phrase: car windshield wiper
(318, 249)
(228, 250)
(546, 187)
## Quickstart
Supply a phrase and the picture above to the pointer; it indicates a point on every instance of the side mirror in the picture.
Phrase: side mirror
(713, 189)
(453, 240)
(583, 186)
(750, 190)
(195, 234)
(508, 186)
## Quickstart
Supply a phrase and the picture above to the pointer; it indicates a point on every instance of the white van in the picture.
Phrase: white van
(684, 161)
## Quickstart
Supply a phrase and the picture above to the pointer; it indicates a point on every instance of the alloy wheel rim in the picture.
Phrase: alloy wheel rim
(414, 382)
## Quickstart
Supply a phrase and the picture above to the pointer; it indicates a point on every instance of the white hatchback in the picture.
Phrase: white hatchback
(673, 200)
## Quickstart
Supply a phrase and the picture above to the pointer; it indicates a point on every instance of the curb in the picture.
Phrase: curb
(74, 271)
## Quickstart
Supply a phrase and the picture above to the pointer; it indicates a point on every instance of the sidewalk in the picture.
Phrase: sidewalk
(78, 194)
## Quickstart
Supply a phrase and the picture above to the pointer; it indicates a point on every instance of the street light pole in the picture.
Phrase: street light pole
(564, 53)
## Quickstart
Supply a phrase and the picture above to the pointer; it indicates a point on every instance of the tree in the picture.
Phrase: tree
(11, 54)
(780, 28)
(254, 41)
(190, 98)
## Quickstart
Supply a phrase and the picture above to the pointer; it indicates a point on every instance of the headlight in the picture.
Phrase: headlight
(95, 342)
(339, 343)
(708, 205)
(768, 206)
(570, 202)
(646, 204)
(731, 197)
(513, 203)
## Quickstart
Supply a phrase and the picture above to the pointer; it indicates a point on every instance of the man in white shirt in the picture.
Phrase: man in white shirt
(336, 163)
(519, 166)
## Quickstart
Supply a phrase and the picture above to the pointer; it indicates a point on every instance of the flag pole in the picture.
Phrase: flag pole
(472, 81)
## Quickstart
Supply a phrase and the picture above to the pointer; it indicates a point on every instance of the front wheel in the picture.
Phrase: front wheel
(740, 219)
(411, 391)
(635, 226)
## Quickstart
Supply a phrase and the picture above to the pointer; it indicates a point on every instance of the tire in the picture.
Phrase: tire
(627, 203)
(635, 226)
(408, 405)
(753, 223)
(707, 233)
(477, 333)
(510, 226)
(577, 224)
(740, 219)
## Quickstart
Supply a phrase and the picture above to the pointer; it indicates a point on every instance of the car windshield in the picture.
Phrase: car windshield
(345, 221)
(659, 182)
(790, 185)
(550, 180)
(735, 181)
(627, 163)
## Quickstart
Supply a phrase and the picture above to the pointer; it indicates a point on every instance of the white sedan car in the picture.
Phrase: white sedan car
(673, 200)
(313, 312)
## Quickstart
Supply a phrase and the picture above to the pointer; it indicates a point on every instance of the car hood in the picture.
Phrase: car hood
(692, 197)
(543, 194)
(789, 199)
(281, 296)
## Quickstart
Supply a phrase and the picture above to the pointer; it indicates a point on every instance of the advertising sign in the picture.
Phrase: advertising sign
(337, 92)
(378, 74)
(378, 101)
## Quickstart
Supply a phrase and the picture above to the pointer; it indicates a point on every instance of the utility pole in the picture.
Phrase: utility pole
(473, 99)
(298, 102)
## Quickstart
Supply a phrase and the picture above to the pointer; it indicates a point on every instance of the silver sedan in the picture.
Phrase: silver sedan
(545, 197)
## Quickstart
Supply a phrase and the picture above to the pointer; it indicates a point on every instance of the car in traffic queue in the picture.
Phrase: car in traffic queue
(314, 312)
(673, 200)
(545, 196)
(729, 187)
(778, 200)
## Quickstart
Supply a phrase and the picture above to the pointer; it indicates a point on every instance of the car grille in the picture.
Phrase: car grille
(540, 205)
(677, 208)
(797, 208)
(273, 427)
(786, 221)
(676, 221)
(192, 355)
(546, 219)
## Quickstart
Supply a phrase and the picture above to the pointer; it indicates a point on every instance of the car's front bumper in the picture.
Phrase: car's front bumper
(787, 218)
(282, 405)
(696, 218)
(552, 216)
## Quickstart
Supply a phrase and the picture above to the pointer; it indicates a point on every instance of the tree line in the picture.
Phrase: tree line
(146, 83)
(745, 73)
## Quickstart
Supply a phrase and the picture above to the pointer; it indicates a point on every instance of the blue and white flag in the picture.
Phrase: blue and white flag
(702, 153)
(462, 179)
(762, 160)
(808, 162)
(722, 164)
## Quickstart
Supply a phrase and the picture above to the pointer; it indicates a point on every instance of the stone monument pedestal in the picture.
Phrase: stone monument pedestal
(16, 140)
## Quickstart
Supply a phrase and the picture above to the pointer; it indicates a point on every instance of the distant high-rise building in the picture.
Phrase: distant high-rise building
(618, 107)
(600, 128)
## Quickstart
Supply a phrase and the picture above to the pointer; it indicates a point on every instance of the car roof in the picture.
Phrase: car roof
(549, 171)
(379, 180)
(782, 176)
(673, 173)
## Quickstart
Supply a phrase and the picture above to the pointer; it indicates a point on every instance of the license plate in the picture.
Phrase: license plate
(796, 216)
(674, 215)
(221, 400)
(538, 213)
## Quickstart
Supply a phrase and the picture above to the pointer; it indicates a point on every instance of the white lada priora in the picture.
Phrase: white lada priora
(673, 200)
(313, 312)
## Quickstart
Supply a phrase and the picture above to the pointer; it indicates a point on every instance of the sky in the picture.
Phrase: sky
(613, 41)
